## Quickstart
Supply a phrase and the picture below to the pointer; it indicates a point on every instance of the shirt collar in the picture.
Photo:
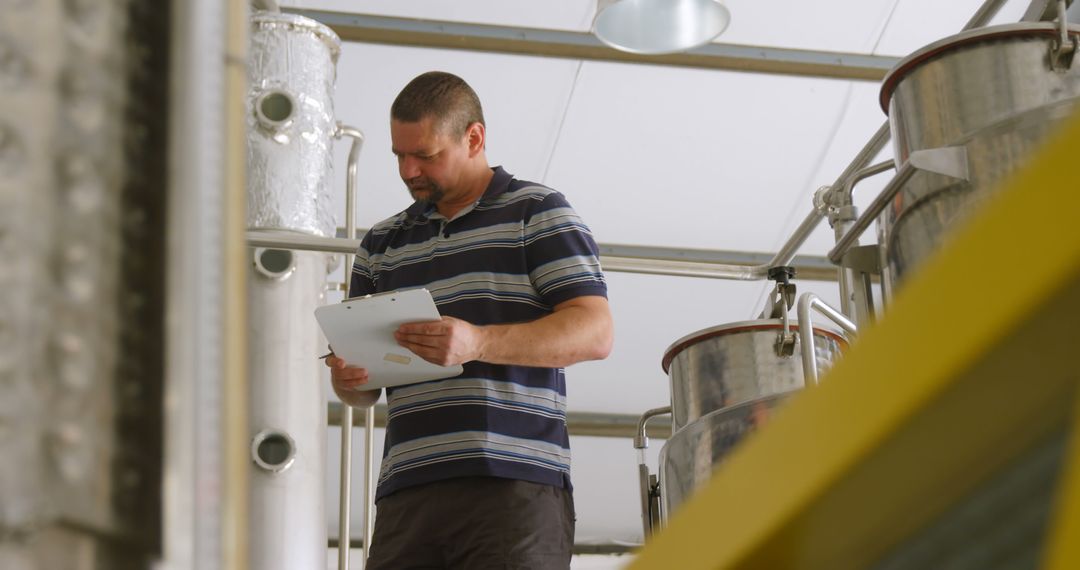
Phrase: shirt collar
(500, 182)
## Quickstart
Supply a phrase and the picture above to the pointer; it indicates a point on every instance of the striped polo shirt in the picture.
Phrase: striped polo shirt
(510, 257)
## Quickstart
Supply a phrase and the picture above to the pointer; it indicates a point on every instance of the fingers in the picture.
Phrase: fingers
(345, 377)
(409, 340)
(350, 378)
(425, 328)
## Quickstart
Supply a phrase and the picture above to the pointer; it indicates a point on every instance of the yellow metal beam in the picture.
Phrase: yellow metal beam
(1063, 545)
(967, 370)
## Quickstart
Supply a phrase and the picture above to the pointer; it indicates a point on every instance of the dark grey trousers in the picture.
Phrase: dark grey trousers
(474, 523)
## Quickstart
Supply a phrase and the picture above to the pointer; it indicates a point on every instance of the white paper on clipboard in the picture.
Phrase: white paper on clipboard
(361, 331)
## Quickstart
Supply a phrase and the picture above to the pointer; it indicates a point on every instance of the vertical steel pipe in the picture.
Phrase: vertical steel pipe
(345, 506)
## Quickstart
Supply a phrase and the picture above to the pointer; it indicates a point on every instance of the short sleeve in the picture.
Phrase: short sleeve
(562, 256)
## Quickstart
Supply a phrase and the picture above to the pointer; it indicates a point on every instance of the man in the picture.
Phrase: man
(475, 472)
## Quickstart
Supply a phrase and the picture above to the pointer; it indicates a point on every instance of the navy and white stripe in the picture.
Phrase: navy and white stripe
(511, 257)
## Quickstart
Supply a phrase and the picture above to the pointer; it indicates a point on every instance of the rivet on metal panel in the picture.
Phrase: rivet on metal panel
(76, 252)
(84, 187)
(78, 287)
(13, 67)
(74, 375)
(68, 452)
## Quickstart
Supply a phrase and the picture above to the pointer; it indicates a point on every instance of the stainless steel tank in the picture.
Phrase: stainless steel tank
(997, 92)
(689, 457)
(726, 365)
(725, 382)
(291, 127)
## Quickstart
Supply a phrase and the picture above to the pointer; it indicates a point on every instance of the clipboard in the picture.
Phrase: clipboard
(361, 331)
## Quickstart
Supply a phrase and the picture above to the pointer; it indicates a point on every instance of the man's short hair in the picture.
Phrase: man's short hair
(443, 96)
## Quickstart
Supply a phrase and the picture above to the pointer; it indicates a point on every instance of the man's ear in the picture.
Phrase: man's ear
(475, 137)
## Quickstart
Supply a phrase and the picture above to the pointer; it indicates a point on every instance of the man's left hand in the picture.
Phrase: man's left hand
(446, 342)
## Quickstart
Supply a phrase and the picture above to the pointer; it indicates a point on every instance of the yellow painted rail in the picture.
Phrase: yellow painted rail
(972, 365)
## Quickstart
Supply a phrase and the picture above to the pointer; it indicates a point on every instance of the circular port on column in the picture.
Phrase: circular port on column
(274, 109)
(276, 264)
(273, 451)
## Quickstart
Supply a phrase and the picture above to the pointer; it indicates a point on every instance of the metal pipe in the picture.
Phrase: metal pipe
(345, 507)
(864, 173)
(868, 152)
(984, 14)
(1063, 22)
(645, 486)
(737, 272)
(876, 207)
(369, 479)
(537, 42)
(590, 424)
(788, 250)
(641, 439)
(235, 531)
(806, 331)
(845, 215)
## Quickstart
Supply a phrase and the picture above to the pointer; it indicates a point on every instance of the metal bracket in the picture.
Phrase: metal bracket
(1062, 53)
(1064, 47)
(950, 161)
(863, 258)
(783, 300)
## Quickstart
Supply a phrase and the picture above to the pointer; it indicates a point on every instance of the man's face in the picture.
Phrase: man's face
(430, 159)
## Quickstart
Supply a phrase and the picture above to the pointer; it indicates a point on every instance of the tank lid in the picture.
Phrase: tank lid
(736, 327)
(262, 19)
(978, 35)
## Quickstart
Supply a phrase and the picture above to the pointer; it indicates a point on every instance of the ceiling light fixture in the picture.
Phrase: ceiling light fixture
(659, 26)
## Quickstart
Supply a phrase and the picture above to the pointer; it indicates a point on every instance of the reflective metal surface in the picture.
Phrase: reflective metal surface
(288, 502)
(688, 458)
(991, 90)
(291, 123)
(727, 365)
(291, 127)
(659, 26)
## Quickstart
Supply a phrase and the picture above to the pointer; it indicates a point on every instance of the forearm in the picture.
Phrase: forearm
(578, 330)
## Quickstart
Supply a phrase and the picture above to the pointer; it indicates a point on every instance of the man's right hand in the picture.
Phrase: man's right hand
(348, 378)
(348, 382)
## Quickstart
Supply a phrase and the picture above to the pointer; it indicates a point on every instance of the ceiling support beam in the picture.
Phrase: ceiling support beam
(584, 46)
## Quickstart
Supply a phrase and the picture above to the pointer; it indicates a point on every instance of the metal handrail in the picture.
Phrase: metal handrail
(643, 265)
(806, 332)
(344, 506)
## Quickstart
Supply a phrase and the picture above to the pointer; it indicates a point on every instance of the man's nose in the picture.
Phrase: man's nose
(409, 167)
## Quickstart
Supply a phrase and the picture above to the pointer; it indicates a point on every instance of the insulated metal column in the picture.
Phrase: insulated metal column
(290, 131)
